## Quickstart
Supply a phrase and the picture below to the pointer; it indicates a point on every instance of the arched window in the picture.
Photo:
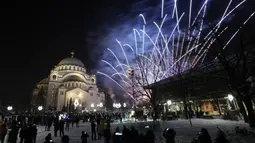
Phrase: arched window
(72, 84)
(69, 67)
(54, 77)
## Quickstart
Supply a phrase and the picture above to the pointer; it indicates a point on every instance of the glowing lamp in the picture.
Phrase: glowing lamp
(9, 108)
(76, 102)
(230, 97)
(40, 108)
(169, 102)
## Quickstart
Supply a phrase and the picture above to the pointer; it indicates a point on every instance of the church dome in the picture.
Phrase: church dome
(71, 61)
(73, 78)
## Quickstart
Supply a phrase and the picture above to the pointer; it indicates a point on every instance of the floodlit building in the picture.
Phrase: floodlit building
(69, 88)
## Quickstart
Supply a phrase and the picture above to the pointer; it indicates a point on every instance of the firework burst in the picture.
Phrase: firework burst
(171, 50)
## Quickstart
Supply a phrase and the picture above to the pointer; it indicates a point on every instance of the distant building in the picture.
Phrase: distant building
(68, 88)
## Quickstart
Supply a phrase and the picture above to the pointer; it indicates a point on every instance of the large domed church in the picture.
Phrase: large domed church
(68, 88)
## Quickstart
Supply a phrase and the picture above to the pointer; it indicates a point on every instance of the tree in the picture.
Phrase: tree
(108, 101)
(40, 99)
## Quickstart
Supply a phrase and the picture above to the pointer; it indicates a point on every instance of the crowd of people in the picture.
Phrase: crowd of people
(25, 127)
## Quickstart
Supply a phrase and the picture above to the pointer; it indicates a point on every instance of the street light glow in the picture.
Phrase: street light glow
(9, 108)
(101, 104)
(76, 102)
(230, 97)
(92, 105)
(169, 102)
(124, 105)
(116, 105)
(40, 108)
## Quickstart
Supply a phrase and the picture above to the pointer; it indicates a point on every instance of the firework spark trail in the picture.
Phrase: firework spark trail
(233, 36)
(116, 72)
(116, 59)
(198, 36)
(190, 12)
(124, 53)
(159, 31)
(210, 34)
(176, 14)
(165, 58)
(162, 8)
(196, 59)
(171, 35)
(115, 82)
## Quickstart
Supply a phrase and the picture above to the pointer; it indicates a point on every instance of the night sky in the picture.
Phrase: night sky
(36, 35)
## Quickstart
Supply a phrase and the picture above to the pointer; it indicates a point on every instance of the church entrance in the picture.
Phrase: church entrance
(76, 100)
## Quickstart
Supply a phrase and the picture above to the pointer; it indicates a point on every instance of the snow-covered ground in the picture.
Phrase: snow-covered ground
(185, 132)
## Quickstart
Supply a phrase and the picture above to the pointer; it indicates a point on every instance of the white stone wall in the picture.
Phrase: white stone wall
(87, 88)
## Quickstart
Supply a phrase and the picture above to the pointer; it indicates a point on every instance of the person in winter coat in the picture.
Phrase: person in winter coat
(84, 137)
(3, 131)
(107, 134)
(204, 136)
(221, 137)
(65, 139)
(93, 130)
(22, 133)
(34, 133)
(48, 139)
(61, 127)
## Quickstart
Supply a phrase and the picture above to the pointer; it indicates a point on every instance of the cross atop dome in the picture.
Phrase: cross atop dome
(72, 53)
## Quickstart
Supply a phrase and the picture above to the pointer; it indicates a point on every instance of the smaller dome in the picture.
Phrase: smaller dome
(44, 81)
(73, 78)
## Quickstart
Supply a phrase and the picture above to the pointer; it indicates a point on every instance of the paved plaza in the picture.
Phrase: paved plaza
(185, 132)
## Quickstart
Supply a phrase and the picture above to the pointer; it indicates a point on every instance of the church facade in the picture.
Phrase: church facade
(69, 88)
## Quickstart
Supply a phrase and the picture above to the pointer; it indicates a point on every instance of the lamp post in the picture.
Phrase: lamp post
(168, 102)
(232, 101)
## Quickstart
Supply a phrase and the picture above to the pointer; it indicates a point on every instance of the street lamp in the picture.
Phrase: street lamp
(116, 105)
(76, 103)
(230, 97)
(169, 102)
(9, 108)
(124, 105)
(40, 108)
(101, 104)
(92, 105)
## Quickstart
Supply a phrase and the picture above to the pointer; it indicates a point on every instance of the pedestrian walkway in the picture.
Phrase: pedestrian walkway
(185, 133)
